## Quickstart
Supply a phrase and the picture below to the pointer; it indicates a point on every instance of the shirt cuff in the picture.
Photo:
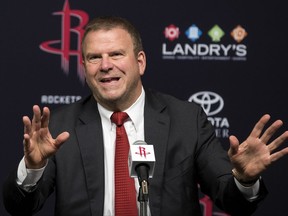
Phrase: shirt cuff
(251, 192)
(27, 178)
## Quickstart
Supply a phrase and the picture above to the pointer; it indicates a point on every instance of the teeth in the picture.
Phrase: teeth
(106, 80)
(109, 79)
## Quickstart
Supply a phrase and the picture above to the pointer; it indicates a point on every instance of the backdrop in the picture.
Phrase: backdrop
(228, 56)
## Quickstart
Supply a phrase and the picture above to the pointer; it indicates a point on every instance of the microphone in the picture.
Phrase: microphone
(141, 163)
(141, 160)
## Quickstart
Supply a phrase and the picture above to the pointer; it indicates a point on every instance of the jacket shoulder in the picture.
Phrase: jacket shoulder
(170, 102)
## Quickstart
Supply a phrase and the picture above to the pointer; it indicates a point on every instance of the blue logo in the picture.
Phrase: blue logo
(193, 33)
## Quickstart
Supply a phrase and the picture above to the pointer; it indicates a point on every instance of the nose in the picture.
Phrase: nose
(106, 64)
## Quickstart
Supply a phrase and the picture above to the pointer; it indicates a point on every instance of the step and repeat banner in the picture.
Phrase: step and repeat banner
(229, 56)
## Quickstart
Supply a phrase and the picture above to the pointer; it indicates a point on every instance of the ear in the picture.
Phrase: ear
(141, 62)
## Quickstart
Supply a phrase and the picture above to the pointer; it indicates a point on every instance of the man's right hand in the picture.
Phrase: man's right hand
(38, 142)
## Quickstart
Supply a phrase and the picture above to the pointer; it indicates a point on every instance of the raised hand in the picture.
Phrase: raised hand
(255, 154)
(38, 142)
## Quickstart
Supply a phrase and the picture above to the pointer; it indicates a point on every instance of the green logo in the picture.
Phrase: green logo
(216, 33)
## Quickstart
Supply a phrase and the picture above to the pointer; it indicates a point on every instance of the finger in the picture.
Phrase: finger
(45, 117)
(270, 131)
(258, 128)
(26, 142)
(278, 141)
(27, 124)
(60, 139)
(36, 121)
(277, 155)
(234, 145)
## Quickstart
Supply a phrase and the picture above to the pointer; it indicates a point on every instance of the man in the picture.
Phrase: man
(75, 155)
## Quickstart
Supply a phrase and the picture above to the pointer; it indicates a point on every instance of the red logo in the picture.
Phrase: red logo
(64, 50)
(171, 32)
(142, 152)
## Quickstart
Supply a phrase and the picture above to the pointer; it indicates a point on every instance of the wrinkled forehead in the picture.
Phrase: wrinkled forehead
(116, 35)
(104, 29)
(106, 41)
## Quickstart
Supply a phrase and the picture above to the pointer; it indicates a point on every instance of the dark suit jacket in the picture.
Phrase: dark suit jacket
(187, 154)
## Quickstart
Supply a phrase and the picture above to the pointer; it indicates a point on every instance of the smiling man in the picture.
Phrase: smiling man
(72, 150)
(113, 66)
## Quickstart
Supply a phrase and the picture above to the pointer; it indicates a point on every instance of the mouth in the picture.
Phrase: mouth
(109, 80)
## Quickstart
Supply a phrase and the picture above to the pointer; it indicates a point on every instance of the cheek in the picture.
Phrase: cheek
(90, 70)
(130, 67)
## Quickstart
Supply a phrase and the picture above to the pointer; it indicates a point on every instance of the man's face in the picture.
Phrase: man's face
(112, 70)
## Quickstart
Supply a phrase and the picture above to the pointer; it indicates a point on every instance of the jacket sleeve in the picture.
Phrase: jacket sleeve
(20, 202)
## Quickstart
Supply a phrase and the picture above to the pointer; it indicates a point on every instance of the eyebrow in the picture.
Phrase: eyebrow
(109, 53)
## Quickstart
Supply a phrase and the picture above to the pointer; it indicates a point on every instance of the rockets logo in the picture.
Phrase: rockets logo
(65, 51)
(142, 152)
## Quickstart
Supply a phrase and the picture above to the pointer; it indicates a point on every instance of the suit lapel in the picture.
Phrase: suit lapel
(90, 138)
(156, 124)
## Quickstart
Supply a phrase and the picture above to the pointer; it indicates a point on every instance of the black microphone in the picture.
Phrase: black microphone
(142, 171)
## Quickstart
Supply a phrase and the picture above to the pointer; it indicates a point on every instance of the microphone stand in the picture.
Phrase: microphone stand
(143, 197)
(142, 172)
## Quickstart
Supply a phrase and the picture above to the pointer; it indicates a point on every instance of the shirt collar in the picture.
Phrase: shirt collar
(135, 111)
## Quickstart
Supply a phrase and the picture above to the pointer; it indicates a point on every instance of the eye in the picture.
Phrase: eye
(116, 55)
(93, 58)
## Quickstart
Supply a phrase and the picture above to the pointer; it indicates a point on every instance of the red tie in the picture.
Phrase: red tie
(125, 192)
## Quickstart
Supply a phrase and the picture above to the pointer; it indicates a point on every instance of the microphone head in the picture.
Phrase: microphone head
(141, 153)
